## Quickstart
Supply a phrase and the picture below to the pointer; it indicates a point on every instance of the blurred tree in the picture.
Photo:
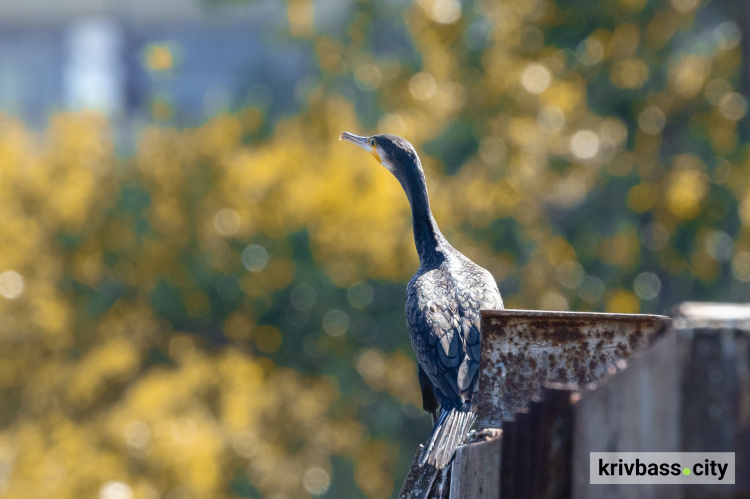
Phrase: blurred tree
(222, 314)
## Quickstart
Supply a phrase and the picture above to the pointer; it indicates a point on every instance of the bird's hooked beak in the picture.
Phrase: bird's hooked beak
(366, 143)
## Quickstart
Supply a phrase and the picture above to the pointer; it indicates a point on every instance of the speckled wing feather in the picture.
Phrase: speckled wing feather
(477, 291)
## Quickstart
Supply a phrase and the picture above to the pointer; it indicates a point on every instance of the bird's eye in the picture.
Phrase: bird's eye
(372, 142)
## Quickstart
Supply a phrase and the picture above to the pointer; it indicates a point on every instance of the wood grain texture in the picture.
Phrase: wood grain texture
(476, 470)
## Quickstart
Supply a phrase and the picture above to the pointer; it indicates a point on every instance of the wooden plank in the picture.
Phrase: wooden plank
(716, 389)
(709, 396)
(552, 473)
(742, 408)
(635, 410)
(523, 459)
(710, 392)
(508, 460)
(476, 470)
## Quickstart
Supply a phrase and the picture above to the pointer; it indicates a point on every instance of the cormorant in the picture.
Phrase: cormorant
(443, 301)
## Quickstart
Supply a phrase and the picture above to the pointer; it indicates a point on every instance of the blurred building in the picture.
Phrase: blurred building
(138, 60)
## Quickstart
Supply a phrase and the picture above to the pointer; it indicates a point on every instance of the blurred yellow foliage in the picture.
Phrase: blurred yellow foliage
(622, 248)
(94, 410)
(622, 301)
(687, 186)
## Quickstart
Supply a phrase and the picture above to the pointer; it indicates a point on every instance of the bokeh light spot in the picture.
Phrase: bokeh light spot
(442, 11)
(719, 245)
(360, 295)
(570, 274)
(115, 490)
(254, 258)
(11, 284)
(687, 188)
(550, 119)
(591, 289)
(371, 366)
(316, 481)
(613, 130)
(630, 73)
(245, 444)
(477, 34)
(368, 76)
(590, 52)
(227, 222)
(721, 170)
(584, 144)
(647, 285)
(301, 15)
(159, 57)
(716, 89)
(267, 338)
(303, 297)
(536, 78)
(688, 74)
(652, 120)
(655, 237)
(335, 322)
(137, 435)
(733, 106)
(727, 35)
(422, 86)
(685, 5)
(621, 164)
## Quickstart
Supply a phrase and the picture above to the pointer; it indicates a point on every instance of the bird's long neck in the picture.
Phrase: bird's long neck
(427, 236)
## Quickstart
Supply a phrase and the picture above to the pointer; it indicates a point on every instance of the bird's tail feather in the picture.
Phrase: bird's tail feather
(452, 426)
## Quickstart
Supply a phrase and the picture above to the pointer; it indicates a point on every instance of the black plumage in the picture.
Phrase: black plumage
(443, 301)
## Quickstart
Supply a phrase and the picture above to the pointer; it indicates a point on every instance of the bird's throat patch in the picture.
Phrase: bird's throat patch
(375, 155)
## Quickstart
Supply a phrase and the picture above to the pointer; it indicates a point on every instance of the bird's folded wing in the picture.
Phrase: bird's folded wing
(434, 326)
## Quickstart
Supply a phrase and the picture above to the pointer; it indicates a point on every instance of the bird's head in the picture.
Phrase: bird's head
(391, 151)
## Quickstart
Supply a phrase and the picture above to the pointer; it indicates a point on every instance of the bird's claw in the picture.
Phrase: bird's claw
(483, 435)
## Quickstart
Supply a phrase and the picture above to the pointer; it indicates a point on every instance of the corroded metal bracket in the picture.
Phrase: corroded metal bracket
(522, 350)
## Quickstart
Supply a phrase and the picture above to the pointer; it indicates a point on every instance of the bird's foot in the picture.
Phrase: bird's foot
(483, 435)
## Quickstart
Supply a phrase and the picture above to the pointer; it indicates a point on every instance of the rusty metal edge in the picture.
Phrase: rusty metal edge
(658, 324)
(535, 314)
